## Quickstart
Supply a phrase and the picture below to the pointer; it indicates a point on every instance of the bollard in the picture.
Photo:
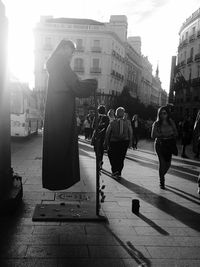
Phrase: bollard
(135, 205)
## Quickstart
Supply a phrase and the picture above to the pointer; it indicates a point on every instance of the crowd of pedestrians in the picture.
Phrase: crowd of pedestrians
(117, 132)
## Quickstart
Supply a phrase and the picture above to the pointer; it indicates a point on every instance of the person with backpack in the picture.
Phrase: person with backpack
(117, 140)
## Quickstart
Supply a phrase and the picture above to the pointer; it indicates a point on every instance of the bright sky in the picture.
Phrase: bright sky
(156, 21)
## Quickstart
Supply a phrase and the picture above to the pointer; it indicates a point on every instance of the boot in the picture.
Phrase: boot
(162, 183)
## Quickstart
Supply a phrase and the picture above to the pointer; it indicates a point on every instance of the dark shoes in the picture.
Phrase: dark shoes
(116, 175)
(184, 156)
(162, 185)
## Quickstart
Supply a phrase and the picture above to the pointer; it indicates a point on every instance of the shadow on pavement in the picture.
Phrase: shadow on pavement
(185, 193)
(131, 250)
(153, 224)
(182, 214)
(186, 176)
(181, 195)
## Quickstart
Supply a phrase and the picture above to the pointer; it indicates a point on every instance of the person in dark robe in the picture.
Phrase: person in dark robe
(60, 165)
(99, 133)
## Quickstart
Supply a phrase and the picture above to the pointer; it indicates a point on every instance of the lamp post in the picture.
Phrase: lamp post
(10, 185)
(5, 156)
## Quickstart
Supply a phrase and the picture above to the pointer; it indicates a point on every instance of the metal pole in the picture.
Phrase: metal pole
(5, 155)
(97, 154)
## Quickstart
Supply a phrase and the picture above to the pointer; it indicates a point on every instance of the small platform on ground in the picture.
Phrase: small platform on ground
(67, 212)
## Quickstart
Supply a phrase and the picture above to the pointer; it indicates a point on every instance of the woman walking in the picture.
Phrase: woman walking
(164, 132)
(135, 127)
(111, 114)
(196, 136)
(118, 138)
(196, 143)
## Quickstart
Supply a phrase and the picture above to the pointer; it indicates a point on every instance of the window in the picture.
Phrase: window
(78, 63)
(79, 43)
(199, 48)
(198, 71)
(47, 42)
(193, 30)
(185, 54)
(186, 35)
(190, 74)
(191, 52)
(96, 43)
(95, 63)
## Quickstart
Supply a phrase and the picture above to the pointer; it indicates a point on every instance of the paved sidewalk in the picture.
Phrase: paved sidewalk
(165, 233)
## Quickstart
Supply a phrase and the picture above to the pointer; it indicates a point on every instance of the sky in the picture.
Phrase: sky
(157, 22)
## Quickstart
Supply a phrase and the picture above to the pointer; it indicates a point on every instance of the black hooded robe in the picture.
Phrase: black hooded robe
(60, 165)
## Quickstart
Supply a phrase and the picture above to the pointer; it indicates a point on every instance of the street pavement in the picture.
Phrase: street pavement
(166, 232)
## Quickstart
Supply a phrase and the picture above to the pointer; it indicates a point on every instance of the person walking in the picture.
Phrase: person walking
(186, 134)
(86, 126)
(99, 133)
(164, 132)
(117, 140)
(60, 164)
(135, 127)
(196, 143)
(196, 136)
(111, 114)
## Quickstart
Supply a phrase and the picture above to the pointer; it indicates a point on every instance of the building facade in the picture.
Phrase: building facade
(103, 52)
(185, 76)
(100, 52)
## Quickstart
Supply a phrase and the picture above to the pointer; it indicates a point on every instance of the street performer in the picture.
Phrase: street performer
(60, 165)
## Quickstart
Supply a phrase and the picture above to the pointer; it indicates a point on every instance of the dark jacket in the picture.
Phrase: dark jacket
(60, 165)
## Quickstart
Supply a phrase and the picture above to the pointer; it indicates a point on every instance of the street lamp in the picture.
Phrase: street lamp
(10, 185)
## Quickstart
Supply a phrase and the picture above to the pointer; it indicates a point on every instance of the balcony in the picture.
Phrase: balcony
(189, 60)
(197, 57)
(185, 42)
(195, 82)
(95, 70)
(191, 38)
(80, 49)
(96, 49)
(79, 69)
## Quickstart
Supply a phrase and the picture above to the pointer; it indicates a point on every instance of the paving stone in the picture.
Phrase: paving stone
(73, 238)
(116, 215)
(175, 263)
(172, 253)
(136, 262)
(57, 252)
(101, 240)
(108, 252)
(187, 241)
(150, 240)
(90, 263)
(13, 251)
(39, 229)
(123, 230)
(36, 239)
(96, 229)
(29, 263)
(170, 230)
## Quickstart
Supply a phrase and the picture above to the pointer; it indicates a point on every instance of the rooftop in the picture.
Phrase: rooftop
(74, 21)
(189, 20)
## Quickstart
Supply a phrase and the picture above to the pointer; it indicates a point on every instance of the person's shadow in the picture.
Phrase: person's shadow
(180, 213)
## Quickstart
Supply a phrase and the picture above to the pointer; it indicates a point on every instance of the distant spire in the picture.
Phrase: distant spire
(157, 71)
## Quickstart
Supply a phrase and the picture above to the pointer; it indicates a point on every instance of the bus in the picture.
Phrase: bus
(25, 116)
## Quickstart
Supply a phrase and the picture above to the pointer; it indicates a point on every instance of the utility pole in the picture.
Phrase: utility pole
(5, 156)
(10, 185)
